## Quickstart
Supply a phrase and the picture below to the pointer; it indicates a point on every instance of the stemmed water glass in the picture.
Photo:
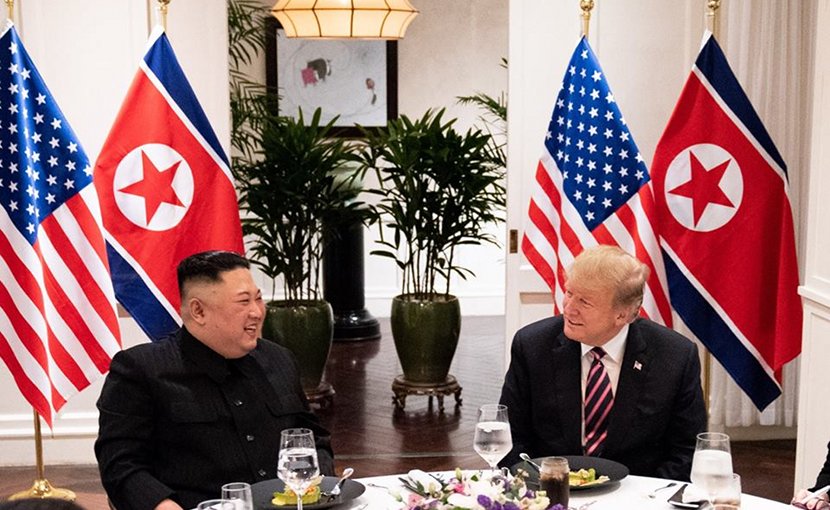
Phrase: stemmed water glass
(240, 494)
(712, 464)
(297, 465)
(492, 440)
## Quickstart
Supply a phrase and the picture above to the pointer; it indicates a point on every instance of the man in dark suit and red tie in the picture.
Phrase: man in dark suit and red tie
(600, 380)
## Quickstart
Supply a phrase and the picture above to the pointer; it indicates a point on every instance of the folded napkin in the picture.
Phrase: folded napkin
(694, 494)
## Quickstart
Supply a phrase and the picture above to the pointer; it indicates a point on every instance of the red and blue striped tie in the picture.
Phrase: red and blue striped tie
(598, 401)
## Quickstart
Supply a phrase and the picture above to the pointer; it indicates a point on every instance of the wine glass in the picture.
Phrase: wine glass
(492, 440)
(712, 464)
(216, 504)
(297, 465)
(239, 493)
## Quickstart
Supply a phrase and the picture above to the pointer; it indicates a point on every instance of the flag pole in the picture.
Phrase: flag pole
(587, 6)
(712, 7)
(163, 10)
(41, 487)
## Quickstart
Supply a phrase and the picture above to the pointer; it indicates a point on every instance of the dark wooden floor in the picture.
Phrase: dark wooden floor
(371, 436)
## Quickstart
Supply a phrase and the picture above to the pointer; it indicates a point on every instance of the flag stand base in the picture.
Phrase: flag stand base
(43, 489)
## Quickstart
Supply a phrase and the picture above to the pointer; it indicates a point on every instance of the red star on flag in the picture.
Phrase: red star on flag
(156, 187)
(704, 186)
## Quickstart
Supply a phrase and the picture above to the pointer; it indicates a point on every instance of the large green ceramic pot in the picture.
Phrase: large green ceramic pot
(426, 335)
(306, 330)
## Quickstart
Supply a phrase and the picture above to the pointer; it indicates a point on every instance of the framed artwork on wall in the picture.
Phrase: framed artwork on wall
(354, 79)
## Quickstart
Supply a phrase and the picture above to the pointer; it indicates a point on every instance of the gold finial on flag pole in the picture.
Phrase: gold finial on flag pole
(10, 5)
(41, 488)
(712, 7)
(163, 10)
(587, 6)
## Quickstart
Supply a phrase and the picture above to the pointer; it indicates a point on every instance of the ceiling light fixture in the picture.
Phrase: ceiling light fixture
(360, 19)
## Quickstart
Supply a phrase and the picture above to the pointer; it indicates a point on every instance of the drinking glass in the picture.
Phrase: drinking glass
(730, 496)
(554, 479)
(492, 440)
(239, 493)
(216, 504)
(712, 464)
(297, 465)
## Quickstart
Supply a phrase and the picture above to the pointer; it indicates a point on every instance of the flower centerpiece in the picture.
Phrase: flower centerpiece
(471, 491)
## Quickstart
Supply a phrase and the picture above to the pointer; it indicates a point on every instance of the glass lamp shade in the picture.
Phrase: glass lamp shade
(361, 19)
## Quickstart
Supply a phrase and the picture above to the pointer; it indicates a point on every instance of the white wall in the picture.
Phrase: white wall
(813, 432)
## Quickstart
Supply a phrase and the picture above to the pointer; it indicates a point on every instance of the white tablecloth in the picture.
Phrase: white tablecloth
(630, 494)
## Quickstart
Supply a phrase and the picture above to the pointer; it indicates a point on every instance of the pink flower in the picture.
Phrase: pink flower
(414, 500)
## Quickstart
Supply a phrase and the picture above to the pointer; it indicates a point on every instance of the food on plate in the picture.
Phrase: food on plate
(289, 497)
(586, 477)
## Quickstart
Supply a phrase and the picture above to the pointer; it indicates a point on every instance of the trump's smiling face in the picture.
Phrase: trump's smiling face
(590, 313)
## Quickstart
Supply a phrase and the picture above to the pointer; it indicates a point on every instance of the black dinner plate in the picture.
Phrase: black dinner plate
(613, 470)
(263, 493)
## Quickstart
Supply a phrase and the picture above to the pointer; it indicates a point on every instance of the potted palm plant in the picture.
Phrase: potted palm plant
(438, 190)
(293, 189)
(291, 194)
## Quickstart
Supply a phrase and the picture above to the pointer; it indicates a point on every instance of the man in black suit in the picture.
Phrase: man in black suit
(181, 417)
(654, 406)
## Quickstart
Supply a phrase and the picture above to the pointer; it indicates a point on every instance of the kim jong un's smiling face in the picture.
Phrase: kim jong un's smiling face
(234, 311)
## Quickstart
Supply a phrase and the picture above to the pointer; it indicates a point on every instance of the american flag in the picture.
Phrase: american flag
(58, 326)
(592, 186)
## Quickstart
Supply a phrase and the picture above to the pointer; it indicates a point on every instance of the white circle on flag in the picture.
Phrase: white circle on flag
(731, 184)
(159, 207)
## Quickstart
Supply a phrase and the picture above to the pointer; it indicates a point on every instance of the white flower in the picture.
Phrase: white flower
(463, 501)
(427, 481)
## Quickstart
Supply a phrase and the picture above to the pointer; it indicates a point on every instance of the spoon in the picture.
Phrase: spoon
(336, 490)
(525, 457)
(653, 494)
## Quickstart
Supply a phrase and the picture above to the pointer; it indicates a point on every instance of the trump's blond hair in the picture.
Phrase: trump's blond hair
(609, 268)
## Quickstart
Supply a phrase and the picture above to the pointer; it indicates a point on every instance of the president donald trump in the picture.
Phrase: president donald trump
(600, 380)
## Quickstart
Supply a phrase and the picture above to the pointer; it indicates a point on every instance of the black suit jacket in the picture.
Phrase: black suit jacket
(824, 475)
(178, 421)
(658, 406)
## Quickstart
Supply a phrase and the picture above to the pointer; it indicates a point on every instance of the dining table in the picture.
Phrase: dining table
(630, 493)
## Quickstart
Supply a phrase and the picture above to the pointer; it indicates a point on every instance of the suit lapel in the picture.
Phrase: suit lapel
(633, 374)
(567, 369)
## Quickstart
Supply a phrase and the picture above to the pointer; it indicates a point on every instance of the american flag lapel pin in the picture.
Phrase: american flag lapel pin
(638, 365)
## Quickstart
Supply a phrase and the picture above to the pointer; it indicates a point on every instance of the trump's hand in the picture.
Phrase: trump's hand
(168, 504)
(817, 503)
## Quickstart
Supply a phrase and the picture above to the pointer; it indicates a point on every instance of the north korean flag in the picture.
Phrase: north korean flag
(726, 228)
(165, 188)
